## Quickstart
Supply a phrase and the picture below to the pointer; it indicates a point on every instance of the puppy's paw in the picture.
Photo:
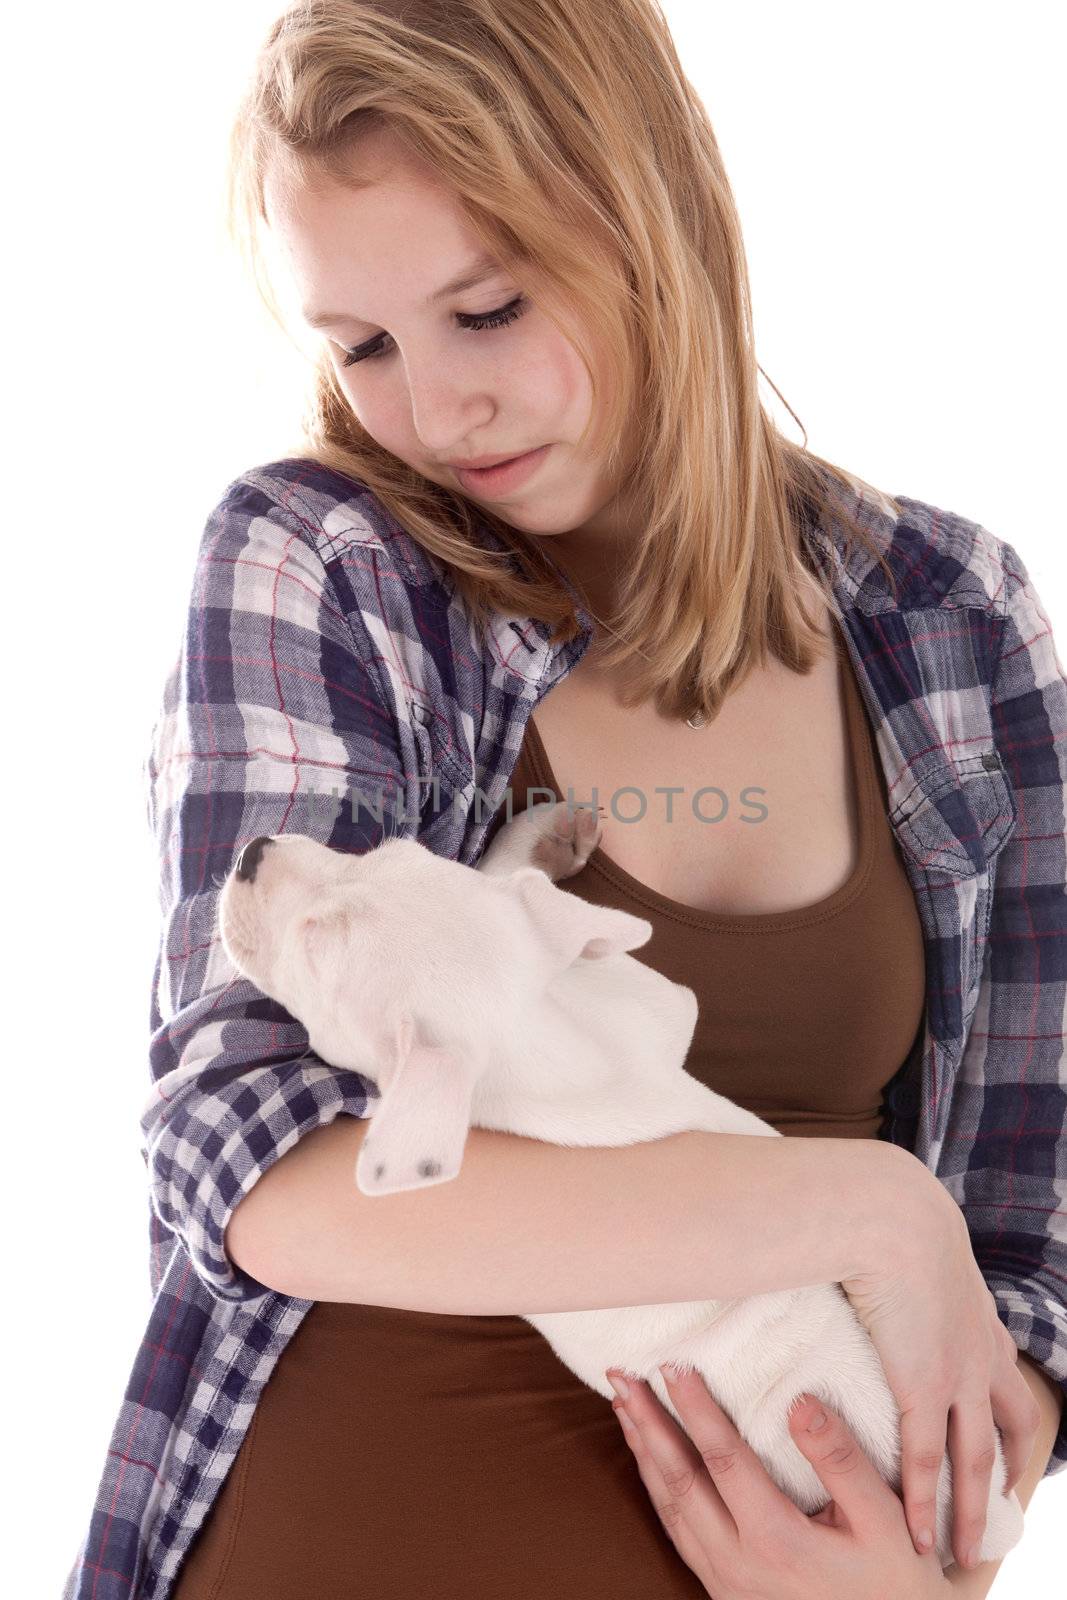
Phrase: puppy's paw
(570, 836)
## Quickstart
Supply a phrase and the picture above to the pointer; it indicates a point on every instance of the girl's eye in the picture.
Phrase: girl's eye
(490, 319)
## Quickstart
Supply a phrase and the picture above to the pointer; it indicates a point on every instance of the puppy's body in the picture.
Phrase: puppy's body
(490, 997)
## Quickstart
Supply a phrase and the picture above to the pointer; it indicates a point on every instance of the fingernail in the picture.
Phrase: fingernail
(620, 1411)
(621, 1387)
(670, 1374)
(924, 1539)
(817, 1421)
(974, 1558)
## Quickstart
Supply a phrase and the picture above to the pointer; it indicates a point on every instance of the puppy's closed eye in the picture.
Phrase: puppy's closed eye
(319, 937)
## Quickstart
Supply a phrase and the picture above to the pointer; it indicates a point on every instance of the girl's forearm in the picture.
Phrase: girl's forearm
(532, 1227)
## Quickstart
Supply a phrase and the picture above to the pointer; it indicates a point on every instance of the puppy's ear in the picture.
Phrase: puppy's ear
(570, 929)
(419, 1131)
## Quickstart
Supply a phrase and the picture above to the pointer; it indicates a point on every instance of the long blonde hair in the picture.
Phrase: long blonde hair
(582, 157)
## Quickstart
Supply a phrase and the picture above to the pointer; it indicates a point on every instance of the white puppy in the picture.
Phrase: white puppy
(491, 997)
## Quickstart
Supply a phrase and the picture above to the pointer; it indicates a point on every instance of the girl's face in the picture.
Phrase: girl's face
(437, 374)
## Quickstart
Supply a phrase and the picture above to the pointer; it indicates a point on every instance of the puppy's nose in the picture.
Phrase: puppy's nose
(248, 860)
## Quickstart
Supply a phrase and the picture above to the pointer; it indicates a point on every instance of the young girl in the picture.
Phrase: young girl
(829, 730)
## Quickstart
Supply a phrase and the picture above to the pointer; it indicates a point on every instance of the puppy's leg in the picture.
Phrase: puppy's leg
(555, 837)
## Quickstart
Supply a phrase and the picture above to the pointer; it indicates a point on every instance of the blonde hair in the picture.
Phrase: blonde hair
(581, 157)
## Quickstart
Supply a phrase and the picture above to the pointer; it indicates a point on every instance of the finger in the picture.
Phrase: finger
(922, 1452)
(972, 1449)
(747, 1489)
(851, 1478)
(688, 1519)
(681, 1488)
(1016, 1443)
(1018, 1420)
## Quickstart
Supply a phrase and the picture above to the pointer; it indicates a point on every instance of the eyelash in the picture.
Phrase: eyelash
(479, 324)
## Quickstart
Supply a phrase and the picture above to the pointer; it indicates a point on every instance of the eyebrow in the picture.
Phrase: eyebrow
(485, 267)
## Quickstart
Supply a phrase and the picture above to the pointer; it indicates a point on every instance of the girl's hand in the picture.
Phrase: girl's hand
(950, 1362)
(746, 1540)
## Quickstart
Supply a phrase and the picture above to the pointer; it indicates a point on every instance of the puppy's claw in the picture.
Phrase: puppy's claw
(569, 840)
(588, 830)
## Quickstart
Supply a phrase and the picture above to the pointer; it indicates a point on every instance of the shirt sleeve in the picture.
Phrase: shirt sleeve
(1007, 1129)
(274, 720)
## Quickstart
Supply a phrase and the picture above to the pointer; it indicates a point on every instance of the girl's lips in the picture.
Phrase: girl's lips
(507, 475)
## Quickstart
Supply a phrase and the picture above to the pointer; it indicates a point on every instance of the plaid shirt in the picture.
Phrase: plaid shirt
(326, 653)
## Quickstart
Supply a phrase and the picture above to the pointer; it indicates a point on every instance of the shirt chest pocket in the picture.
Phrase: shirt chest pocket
(951, 828)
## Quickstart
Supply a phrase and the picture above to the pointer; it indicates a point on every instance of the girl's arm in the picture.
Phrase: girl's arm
(532, 1227)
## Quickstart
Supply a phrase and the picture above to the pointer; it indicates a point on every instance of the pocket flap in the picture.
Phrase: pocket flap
(959, 817)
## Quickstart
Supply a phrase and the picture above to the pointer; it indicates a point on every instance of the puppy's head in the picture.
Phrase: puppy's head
(406, 967)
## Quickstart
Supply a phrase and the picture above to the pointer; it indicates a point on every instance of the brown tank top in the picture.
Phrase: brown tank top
(395, 1453)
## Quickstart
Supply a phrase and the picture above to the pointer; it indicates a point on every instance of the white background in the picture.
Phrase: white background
(899, 176)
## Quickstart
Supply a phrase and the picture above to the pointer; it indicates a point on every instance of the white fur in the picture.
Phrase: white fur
(492, 997)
